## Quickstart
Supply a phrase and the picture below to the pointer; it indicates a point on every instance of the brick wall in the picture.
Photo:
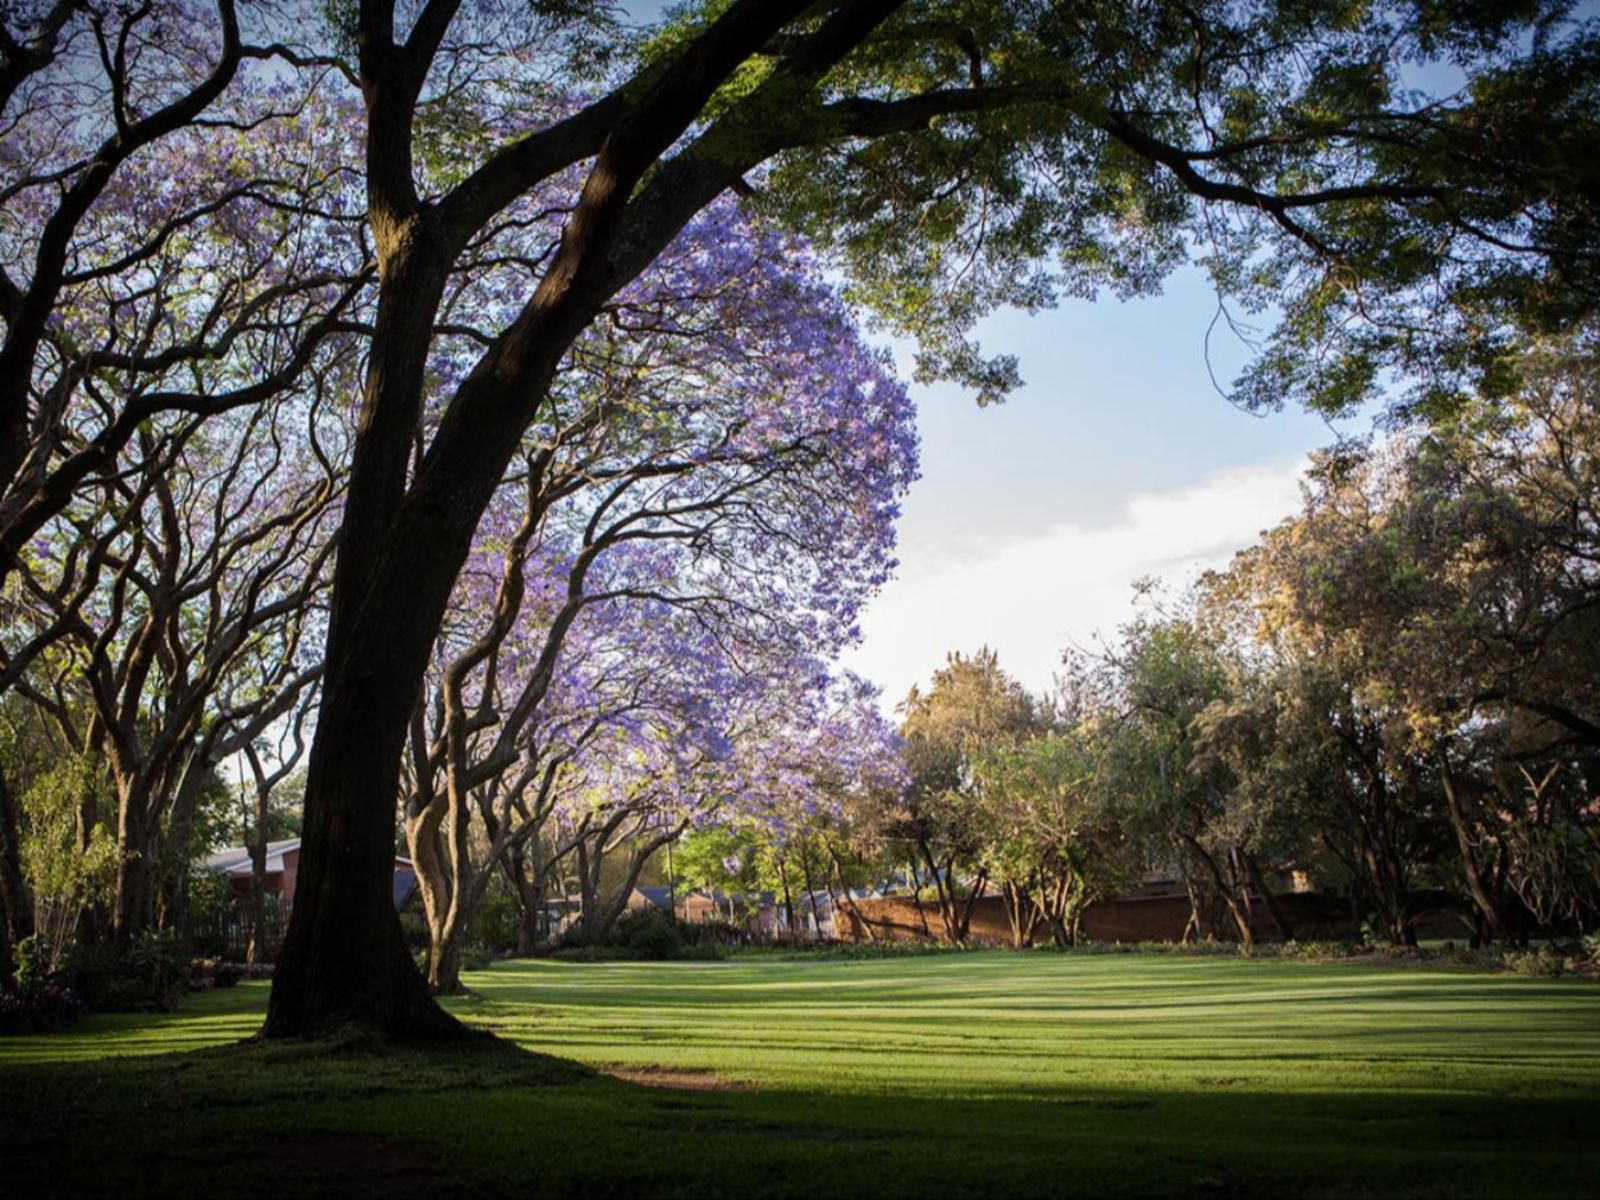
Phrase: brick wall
(1310, 915)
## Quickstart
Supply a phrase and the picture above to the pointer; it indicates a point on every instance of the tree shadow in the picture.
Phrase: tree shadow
(487, 1118)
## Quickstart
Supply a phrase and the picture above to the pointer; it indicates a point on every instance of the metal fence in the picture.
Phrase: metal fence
(227, 934)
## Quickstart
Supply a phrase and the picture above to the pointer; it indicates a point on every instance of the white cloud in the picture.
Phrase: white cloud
(1029, 598)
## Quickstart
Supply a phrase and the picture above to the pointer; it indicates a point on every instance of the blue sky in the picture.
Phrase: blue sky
(1119, 459)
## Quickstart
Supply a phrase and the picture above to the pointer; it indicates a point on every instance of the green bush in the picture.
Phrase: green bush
(39, 1002)
(593, 954)
(1318, 949)
(497, 924)
(1591, 948)
(650, 933)
(718, 931)
(145, 974)
(1544, 962)
(476, 958)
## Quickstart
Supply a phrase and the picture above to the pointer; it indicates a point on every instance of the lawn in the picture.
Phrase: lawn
(985, 1074)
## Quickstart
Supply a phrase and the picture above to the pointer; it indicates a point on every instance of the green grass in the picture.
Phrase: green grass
(988, 1074)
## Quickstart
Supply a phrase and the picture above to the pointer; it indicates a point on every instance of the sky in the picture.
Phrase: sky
(1119, 460)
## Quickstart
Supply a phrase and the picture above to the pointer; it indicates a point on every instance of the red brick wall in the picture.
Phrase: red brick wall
(1311, 916)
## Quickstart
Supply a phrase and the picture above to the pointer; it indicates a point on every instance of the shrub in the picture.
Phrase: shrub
(649, 933)
(46, 1009)
(144, 975)
(414, 929)
(1542, 962)
(497, 924)
(475, 958)
(32, 965)
(39, 1003)
(203, 974)
(1318, 949)
(592, 954)
(718, 931)
(1591, 948)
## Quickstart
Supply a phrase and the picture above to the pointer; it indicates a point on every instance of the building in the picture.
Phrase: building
(283, 862)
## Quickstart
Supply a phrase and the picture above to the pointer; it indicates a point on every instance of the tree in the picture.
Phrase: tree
(972, 710)
(1443, 589)
(638, 583)
(1051, 835)
(272, 763)
(1007, 136)
(180, 605)
(1179, 801)
(175, 237)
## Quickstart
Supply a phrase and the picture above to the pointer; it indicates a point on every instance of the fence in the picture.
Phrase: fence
(227, 933)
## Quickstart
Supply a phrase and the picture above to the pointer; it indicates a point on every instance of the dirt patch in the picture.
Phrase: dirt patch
(677, 1079)
(354, 1164)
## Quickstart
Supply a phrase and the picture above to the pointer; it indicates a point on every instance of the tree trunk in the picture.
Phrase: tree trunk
(811, 894)
(1469, 859)
(788, 898)
(944, 889)
(916, 899)
(135, 894)
(1241, 920)
(858, 922)
(175, 898)
(1022, 913)
(255, 951)
(965, 913)
(1195, 926)
(444, 959)
(1274, 909)
(531, 901)
(344, 960)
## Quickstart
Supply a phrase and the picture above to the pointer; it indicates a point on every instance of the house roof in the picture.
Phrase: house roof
(235, 860)
(659, 896)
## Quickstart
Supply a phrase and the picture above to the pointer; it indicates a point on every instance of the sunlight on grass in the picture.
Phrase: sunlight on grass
(977, 1074)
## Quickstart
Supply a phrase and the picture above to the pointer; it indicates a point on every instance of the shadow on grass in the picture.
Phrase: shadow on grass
(490, 1119)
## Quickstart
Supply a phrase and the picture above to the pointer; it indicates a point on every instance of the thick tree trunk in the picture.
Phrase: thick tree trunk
(135, 883)
(444, 960)
(444, 889)
(344, 960)
(405, 533)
